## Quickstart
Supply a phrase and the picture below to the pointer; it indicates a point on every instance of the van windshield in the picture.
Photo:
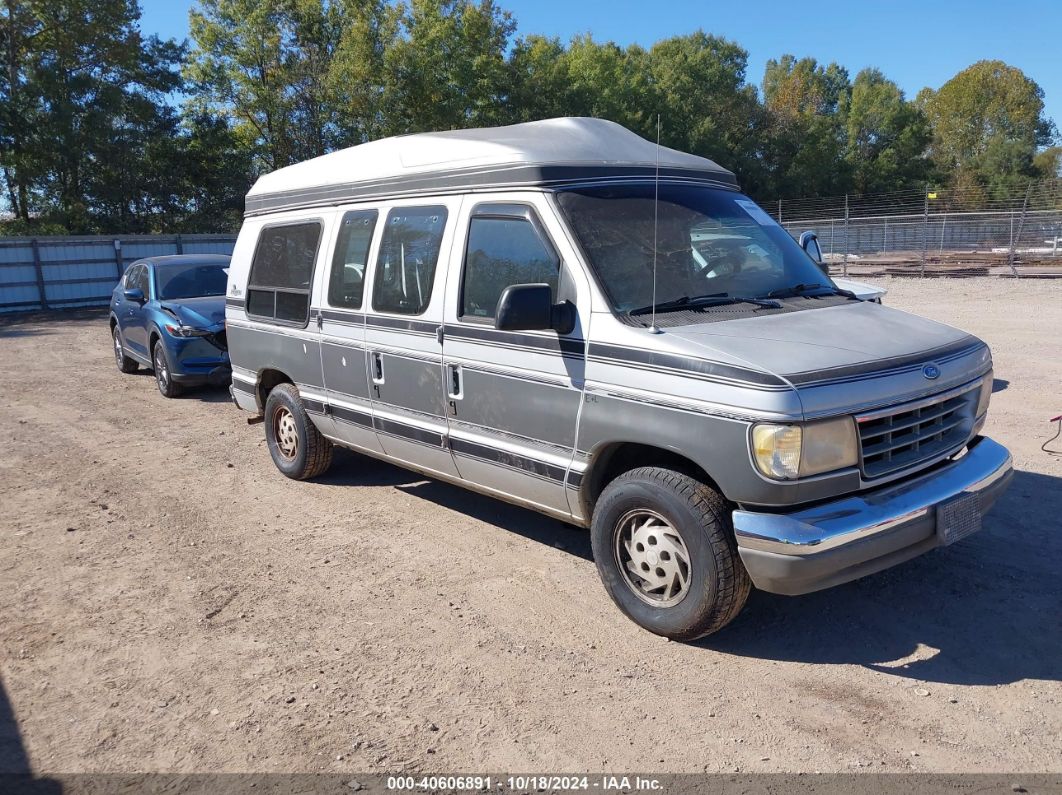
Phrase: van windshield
(711, 244)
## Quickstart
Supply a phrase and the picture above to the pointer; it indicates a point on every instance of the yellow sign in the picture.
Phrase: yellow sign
(932, 196)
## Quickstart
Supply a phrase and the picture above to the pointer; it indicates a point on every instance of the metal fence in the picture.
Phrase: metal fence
(68, 272)
(927, 231)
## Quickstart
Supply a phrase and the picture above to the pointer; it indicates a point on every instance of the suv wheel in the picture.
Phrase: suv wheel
(163, 372)
(125, 364)
(665, 550)
(298, 449)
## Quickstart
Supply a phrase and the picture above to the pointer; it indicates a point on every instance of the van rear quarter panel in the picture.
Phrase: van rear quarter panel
(254, 345)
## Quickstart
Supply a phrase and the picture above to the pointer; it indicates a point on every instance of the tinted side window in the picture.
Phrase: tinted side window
(282, 272)
(136, 278)
(405, 266)
(346, 282)
(501, 252)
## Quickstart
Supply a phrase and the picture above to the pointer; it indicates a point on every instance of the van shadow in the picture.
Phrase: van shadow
(986, 611)
(16, 774)
(13, 757)
(352, 468)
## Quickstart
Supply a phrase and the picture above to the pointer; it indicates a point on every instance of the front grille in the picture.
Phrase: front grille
(906, 435)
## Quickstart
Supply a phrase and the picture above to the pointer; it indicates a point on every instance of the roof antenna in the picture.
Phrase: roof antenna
(653, 328)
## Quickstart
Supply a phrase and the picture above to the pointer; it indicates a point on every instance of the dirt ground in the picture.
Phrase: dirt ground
(170, 602)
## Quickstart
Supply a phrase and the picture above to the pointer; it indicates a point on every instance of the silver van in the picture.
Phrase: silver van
(565, 316)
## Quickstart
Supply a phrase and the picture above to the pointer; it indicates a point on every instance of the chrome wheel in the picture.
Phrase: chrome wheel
(162, 373)
(286, 432)
(119, 354)
(653, 558)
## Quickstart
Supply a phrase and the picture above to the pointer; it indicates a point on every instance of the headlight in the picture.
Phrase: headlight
(187, 331)
(786, 452)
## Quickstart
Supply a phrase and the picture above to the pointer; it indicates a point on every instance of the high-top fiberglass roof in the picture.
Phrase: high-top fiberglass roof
(552, 152)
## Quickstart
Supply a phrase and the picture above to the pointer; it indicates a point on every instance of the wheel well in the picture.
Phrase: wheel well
(114, 322)
(267, 380)
(615, 459)
(152, 339)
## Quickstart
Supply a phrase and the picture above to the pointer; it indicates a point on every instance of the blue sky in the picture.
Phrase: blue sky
(917, 44)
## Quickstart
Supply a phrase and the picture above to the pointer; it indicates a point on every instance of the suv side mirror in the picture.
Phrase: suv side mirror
(134, 294)
(530, 307)
(809, 241)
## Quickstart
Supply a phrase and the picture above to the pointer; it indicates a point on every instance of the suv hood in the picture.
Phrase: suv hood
(205, 312)
(847, 356)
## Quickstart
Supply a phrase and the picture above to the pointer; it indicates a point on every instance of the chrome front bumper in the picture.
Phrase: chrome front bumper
(834, 542)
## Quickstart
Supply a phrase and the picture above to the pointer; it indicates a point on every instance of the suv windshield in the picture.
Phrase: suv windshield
(173, 282)
(712, 245)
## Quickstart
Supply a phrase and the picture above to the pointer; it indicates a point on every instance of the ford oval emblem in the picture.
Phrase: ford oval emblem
(931, 371)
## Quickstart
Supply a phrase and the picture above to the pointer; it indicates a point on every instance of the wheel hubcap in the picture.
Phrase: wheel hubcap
(161, 373)
(286, 432)
(118, 353)
(653, 558)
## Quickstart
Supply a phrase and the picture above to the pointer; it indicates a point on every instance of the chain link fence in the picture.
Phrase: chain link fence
(935, 232)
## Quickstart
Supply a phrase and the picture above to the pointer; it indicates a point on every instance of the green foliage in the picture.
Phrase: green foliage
(886, 135)
(987, 124)
(805, 140)
(91, 139)
(446, 69)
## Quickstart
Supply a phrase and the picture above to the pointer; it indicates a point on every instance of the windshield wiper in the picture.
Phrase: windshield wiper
(702, 301)
(807, 289)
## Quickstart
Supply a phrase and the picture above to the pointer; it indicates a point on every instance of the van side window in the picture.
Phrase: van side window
(346, 283)
(502, 251)
(278, 287)
(405, 266)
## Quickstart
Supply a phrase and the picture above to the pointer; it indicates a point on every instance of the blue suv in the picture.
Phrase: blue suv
(168, 314)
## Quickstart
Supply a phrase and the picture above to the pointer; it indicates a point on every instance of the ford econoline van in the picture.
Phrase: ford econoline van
(566, 316)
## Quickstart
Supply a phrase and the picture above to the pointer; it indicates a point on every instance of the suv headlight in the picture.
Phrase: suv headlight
(788, 452)
(187, 331)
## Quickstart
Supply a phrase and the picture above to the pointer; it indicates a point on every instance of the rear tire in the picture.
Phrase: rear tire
(664, 548)
(298, 449)
(125, 363)
(163, 372)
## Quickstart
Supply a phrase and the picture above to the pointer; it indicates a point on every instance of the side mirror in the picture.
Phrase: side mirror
(809, 241)
(530, 307)
(134, 294)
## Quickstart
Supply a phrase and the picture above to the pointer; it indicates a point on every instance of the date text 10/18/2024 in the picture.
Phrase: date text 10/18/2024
(523, 783)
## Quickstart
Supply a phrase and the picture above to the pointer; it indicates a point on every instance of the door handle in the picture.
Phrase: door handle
(377, 368)
(453, 389)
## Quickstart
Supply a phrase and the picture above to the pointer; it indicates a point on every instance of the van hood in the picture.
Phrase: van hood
(204, 312)
(847, 355)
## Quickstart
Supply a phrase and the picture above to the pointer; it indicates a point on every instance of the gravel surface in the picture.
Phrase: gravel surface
(170, 602)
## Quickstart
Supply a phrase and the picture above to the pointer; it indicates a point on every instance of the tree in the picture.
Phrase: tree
(19, 113)
(887, 136)
(805, 140)
(987, 122)
(447, 69)
(539, 80)
(86, 97)
(1048, 163)
(706, 106)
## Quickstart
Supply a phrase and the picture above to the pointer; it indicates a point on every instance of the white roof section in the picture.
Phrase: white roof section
(534, 153)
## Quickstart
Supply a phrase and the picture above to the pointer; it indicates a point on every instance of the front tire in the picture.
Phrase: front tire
(125, 364)
(664, 548)
(163, 372)
(298, 449)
